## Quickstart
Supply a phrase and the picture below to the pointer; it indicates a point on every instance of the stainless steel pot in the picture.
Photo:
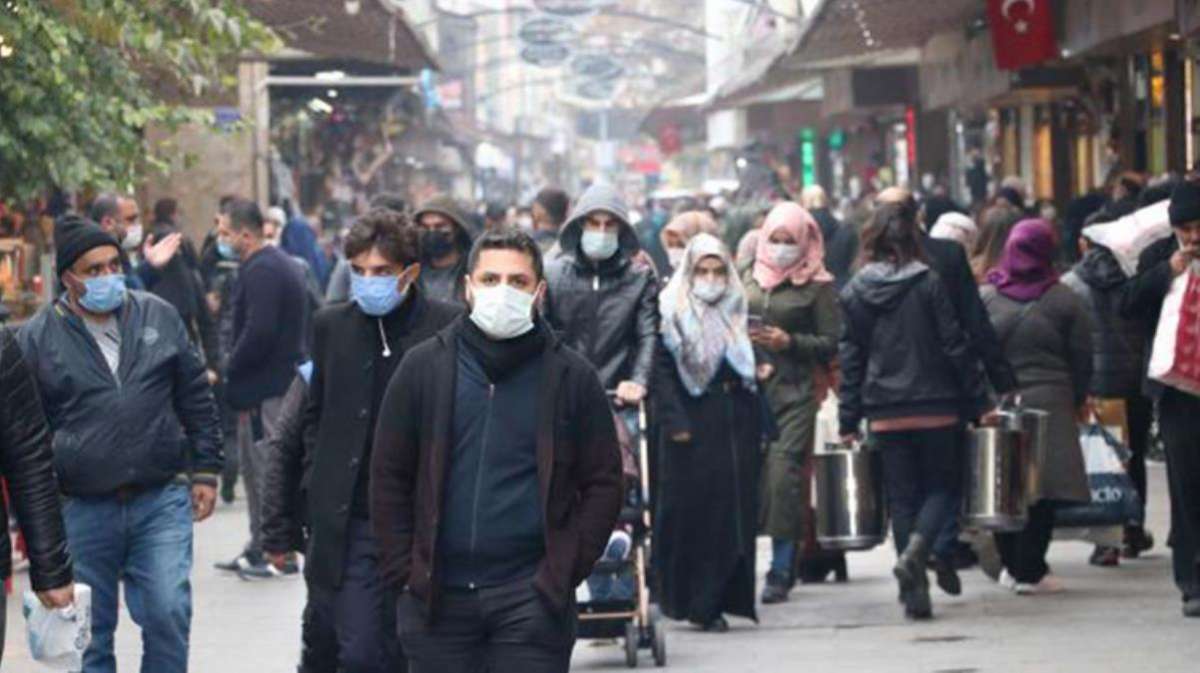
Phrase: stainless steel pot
(848, 498)
(996, 470)
(1034, 425)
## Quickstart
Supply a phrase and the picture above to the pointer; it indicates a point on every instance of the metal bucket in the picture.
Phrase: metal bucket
(996, 469)
(848, 498)
(1033, 424)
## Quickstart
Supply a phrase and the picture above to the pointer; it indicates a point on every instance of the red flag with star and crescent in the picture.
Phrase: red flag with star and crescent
(1022, 32)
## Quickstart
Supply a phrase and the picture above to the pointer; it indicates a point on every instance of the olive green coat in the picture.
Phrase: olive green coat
(810, 315)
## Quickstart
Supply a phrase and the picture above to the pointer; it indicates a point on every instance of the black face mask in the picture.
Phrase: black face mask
(436, 244)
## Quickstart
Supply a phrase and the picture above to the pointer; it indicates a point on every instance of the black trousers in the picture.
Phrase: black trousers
(923, 473)
(1177, 414)
(507, 629)
(1024, 552)
(359, 615)
(1139, 413)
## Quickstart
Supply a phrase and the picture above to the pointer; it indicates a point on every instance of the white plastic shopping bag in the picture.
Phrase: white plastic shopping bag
(58, 637)
(1175, 356)
(1129, 236)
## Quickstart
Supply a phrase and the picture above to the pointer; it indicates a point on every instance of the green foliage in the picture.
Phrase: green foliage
(81, 79)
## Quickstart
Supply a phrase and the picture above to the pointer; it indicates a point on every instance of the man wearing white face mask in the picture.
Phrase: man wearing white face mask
(495, 478)
(356, 348)
(603, 304)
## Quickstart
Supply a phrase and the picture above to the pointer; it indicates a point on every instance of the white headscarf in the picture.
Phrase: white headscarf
(701, 336)
(956, 227)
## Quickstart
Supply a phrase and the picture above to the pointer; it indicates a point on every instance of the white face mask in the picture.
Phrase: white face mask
(675, 256)
(783, 255)
(599, 245)
(709, 291)
(501, 311)
(133, 237)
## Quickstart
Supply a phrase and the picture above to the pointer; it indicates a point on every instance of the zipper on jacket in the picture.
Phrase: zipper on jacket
(487, 426)
(596, 283)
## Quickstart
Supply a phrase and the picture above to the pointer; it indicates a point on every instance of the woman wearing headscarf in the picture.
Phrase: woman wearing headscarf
(1046, 333)
(794, 327)
(680, 230)
(957, 227)
(709, 419)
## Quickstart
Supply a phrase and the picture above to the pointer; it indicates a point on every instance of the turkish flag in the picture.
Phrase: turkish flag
(1022, 32)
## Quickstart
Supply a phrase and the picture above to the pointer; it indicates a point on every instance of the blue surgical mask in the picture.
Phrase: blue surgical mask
(103, 294)
(376, 295)
(599, 245)
(225, 249)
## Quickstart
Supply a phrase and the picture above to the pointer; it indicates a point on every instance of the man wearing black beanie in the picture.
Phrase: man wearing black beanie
(136, 442)
(1158, 268)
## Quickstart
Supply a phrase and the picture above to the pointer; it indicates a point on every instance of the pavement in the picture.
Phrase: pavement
(1109, 620)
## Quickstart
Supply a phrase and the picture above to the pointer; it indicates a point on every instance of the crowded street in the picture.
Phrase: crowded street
(1112, 620)
(537, 336)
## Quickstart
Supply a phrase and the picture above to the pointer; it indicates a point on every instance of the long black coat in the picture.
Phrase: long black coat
(707, 514)
(342, 405)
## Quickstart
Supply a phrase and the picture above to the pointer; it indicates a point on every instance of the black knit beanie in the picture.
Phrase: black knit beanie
(1185, 203)
(74, 237)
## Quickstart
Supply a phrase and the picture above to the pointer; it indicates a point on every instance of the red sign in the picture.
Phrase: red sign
(1022, 32)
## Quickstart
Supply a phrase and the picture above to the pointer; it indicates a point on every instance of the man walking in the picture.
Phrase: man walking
(136, 443)
(1158, 268)
(495, 479)
(26, 465)
(270, 322)
(356, 349)
(445, 243)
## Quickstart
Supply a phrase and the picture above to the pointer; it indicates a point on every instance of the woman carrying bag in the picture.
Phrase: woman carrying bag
(794, 327)
(709, 417)
(1046, 332)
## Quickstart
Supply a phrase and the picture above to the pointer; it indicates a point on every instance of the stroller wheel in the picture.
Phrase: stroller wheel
(658, 643)
(632, 636)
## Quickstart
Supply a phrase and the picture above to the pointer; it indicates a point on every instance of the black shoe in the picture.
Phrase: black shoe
(1105, 557)
(239, 562)
(777, 589)
(258, 571)
(910, 573)
(227, 493)
(718, 625)
(1137, 542)
(947, 577)
(1191, 607)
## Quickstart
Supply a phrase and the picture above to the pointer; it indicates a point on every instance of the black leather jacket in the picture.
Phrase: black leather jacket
(286, 476)
(903, 351)
(1118, 343)
(26, 462)
(606, 311)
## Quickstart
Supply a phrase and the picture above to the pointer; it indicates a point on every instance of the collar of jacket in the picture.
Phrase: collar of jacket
(613, 266)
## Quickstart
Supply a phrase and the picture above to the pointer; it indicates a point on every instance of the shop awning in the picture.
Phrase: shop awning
(323, 29)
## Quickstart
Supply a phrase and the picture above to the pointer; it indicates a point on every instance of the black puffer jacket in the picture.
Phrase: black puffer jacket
(902, 351)
(27, 464)
(1118, 344)
(155, 420)
(607, 311)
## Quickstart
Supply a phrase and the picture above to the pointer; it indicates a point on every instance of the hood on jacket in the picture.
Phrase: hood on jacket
(1100, 269)
(598, 198)
(882, 286)
(447, 206)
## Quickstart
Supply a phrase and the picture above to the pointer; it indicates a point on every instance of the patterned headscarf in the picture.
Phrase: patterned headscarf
(809, 267)
(701, 336)
(687, 225)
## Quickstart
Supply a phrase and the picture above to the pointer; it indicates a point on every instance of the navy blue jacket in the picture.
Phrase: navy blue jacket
(156, 419)
(270, 325)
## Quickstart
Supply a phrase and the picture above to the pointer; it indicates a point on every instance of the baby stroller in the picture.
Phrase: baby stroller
(617, 604)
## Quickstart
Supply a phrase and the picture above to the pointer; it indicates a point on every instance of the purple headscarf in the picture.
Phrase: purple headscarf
(1026, 269)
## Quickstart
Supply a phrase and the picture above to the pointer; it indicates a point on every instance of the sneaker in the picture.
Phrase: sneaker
(290, 568)
(1137, 542)
(1047, 586)
(227, 492)
(1105, 557)
(947, 577)
(260, 571)
(1191, 607)
(239, 562)
(1007, 581)
(776, 590)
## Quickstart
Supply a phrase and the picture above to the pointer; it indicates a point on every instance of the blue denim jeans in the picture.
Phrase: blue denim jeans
(145, 541)
(783, 557)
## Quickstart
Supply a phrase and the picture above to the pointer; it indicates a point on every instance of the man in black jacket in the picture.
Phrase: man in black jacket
(137, 443)
(841, 241)
(26, 465)
(356, 349)
(495, 480)
(269, 326)
(445, 244)
(1158, 268)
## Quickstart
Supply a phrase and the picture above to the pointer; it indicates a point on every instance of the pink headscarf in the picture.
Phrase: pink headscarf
(810, 267)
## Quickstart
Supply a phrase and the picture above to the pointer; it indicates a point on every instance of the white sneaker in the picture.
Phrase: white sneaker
(1049, 585)
(1007, 581)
